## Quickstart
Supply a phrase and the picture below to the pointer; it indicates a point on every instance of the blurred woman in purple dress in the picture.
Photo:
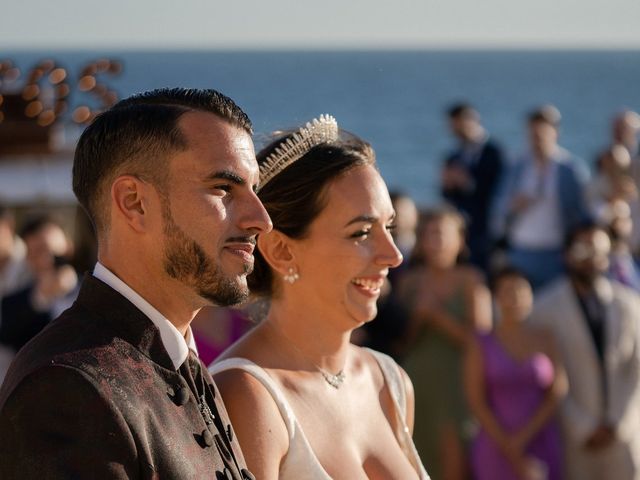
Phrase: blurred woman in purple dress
(514, 384)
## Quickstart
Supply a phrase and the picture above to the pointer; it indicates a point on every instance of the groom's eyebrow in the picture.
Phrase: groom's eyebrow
(227, 175)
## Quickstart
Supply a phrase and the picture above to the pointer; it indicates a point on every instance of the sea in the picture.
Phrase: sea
(396, 100)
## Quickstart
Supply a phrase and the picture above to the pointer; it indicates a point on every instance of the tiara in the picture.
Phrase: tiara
(316, 132)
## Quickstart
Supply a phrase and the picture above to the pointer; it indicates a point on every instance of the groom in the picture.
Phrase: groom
(113, 388)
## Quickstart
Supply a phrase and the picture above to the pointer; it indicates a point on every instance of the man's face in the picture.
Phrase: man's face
(543, 137)
(626, 128)
(588, 256)
(44, 245)
(211, 214)
(6, 238)
(463, 126)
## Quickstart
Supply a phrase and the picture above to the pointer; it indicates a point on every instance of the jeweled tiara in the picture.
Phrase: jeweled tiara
(316, 132)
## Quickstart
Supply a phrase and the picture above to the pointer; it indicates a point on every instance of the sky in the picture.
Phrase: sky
(319, 24)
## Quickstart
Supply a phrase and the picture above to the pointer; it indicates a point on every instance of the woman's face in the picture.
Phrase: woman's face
(441, 242)
(514, 298)
(346, 255)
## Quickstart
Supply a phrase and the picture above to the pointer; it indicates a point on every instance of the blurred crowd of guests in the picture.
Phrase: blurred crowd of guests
(515, 312)
(37, 280)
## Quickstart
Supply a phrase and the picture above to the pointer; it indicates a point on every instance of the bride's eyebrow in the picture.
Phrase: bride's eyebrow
(362, 219)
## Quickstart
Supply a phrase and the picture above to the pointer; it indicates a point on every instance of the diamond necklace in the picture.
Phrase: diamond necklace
(335, 380)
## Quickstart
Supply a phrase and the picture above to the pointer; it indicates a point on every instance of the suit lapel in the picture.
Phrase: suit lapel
(612, 326)
(613, 322)
(125, 320)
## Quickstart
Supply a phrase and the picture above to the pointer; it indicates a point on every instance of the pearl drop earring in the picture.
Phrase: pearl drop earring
(292, 276)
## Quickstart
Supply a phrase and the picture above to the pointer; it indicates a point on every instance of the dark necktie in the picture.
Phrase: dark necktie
(201, 388)
(596, 317)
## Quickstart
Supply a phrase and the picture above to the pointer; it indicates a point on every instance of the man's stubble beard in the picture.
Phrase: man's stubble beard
(186, 261)
(586, 278)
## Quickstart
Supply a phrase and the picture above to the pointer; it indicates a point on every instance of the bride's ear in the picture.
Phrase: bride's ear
(276, 249)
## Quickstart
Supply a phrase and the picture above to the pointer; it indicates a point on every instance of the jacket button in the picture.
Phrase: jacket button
(181, 397)
(207, 438)
(229, 433)
(247, 475)
(225, 475)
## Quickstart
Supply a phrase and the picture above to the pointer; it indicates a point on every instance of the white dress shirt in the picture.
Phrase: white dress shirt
(176, 345)
(540, 225)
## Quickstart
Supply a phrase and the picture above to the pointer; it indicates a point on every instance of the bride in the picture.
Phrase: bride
(304, 402)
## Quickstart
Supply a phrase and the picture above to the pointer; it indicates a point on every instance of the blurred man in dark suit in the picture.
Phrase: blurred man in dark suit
(470, 178)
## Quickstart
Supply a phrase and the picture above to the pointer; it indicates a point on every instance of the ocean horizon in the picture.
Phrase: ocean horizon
(395, 99)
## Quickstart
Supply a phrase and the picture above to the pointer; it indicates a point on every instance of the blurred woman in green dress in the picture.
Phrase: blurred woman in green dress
(448, 302)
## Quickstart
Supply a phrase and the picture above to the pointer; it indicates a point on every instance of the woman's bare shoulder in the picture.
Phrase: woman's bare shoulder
(256, 419)
(370, 360)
